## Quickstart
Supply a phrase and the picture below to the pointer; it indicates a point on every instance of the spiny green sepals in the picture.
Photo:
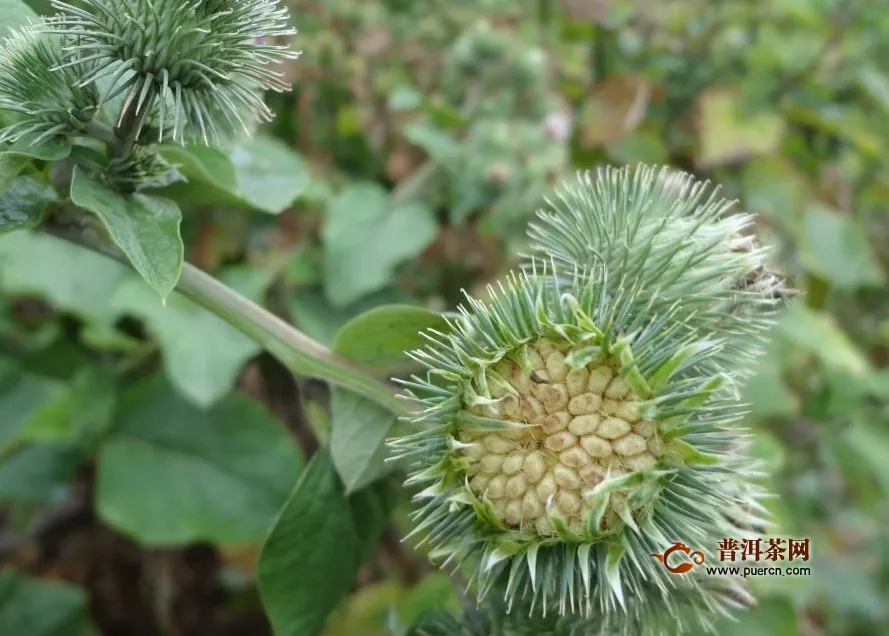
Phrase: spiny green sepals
(144, 168)
(49, 102)
(586, 415)
(198, 66)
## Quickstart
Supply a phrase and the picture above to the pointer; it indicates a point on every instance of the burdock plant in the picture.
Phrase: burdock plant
(577, 421)
(586, 414)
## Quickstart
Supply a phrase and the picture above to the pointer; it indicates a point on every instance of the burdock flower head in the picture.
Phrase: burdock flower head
(198, 67)
(48, 100)
(585, 416)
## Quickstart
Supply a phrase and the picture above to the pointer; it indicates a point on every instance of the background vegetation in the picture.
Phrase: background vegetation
(146, 449)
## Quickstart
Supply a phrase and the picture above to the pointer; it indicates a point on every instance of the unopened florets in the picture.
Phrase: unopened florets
(580, 425)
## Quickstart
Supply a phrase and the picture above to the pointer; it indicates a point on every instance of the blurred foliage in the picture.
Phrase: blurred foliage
(419, 140)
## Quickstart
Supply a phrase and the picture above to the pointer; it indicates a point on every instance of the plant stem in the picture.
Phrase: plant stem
(298, 352)
(294, 349)
(130, 122)
(102, 132)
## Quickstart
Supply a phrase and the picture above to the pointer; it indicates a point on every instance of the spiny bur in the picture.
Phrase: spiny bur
(586, 414)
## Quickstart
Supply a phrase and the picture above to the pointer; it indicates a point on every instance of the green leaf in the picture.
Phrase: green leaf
(772, 187)
(23, 202)
(357, 440)
(202, 164)
(40, 473)
(726, 135)
(773, 616)
(836, 248)
(765, 389)
(370, 609)
(262, 173)
(316, 316)
(34, 409)
(21, 394)
(10, 167)
(319, 542)
(82, 411)
(30, 607)
(203, 354)
(819, 333)
(52, 149)
(381, 336)
(875, 84)
(871, 445)
(14, 13)
(436, 142)
(366, 237)
(69, 277)
(171, 474)
(146, 229)
(270, 175)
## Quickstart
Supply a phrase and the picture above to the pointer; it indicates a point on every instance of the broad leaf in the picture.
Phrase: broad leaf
(35, 410)
(203, 354)
(836, 248)
(32, 607)
(765, 390)
(21, 394)
(145, 228)
(772, 187)
(52, 149)
(270, 175)
(69, 277)
(261, 173)
(35, 472)
(775, 616)
(382, 335)
(871, 445)
(172, 474)
(439, 144)
(23, 202)
(875, 83)
(357, 441)
(10, 167)
(315, 315)
(820, 334)
(83, 411)
(366, 237)
(319, 542)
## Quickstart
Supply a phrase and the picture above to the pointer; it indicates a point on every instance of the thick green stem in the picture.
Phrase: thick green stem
(102, 132)
(294, 349)
(132, 119)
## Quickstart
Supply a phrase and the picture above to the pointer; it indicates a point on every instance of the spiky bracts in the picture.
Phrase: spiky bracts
(199, 66)
(586, 416)
(651, 619)
(49, 102)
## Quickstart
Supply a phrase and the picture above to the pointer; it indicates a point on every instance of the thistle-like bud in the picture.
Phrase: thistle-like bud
(49, 102)
(585, 416)
(144, 168)
(202, 64)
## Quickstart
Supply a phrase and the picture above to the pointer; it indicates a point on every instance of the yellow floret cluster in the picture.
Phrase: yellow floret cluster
(580, 425)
